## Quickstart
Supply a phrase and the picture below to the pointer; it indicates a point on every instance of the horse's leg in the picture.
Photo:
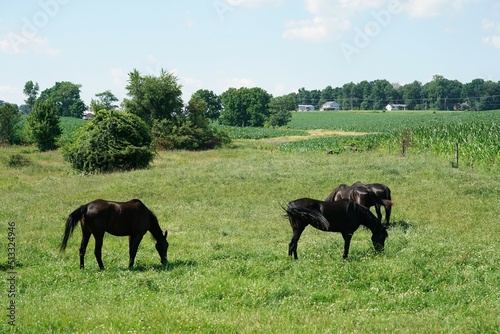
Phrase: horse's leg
(292, 247)
(347, 243)
(134, 242)
(83, 245)
(98, 249)
(379, 213)
(387, 214)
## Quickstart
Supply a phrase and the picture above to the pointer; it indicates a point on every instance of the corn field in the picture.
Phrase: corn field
(476, 133)
(478, 140)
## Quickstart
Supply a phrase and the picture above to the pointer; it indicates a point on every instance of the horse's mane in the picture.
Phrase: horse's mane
(370, 220)
(154, 228)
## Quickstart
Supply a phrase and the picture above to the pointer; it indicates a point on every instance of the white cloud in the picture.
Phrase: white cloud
(432, 8)
(279, 90)
(330, 19)
(493, 30)
(16, 44)
(489, 25)
(317, 29)
(120, 80)
(253, 3)
(189, 21)
(493, 41)
(118, 76)
(192, 82)
(226, 83)
(11, 94)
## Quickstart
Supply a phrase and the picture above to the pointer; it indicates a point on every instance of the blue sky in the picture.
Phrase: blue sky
(277, 45)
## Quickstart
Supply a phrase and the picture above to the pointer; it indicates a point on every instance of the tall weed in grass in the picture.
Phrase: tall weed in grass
(228, 267)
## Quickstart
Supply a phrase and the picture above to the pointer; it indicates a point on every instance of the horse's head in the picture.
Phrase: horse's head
(162, 247)
(378, 239)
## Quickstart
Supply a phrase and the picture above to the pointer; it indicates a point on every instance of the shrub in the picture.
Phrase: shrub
(10, 120)
(43, 124)
(186, 135)
(111, 141)
(191, 131)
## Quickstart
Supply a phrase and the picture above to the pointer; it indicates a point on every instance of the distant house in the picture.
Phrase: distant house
(305, 107)
(390, 107)
(461, 106)
(88, 115)
(332, 105)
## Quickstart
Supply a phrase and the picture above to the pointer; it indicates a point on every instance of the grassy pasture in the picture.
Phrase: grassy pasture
(228, 268)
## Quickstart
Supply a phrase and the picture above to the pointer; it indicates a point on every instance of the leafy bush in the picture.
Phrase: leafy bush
(10, 120)
(112, 141)
(190, 131)
(43, 124)
(186, 135)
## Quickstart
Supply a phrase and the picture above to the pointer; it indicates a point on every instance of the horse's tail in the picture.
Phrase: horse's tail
(71, 223)
(300, 214)
(387, 203)
(379, 201)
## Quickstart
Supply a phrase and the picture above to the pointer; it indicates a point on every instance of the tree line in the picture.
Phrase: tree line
(438, 94)
(157, 100)
(155, 117)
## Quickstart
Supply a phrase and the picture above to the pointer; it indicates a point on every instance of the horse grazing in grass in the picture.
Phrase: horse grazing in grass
(374, 194)
(342, 216)
(132, 219)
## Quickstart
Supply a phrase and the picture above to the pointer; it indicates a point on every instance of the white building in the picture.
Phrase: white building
(305, 107)
(332, 105)
(88, 115)
(390, 107)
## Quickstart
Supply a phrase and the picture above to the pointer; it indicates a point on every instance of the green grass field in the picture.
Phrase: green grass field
(228, 268)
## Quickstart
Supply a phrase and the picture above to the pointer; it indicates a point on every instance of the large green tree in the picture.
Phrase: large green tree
(411, 94)
(472, 93)
(280, 110)
(245, 106)
(154, 98)
(31, 91)
(190, 131)
(212, 100)
(105, 100)
(43, 124)
(66, 96)
(10, 120)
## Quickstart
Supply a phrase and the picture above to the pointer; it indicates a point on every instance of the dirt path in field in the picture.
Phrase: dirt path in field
(321, 132)
(315, 133)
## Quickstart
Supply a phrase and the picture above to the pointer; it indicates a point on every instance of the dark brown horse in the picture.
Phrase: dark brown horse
(132, 219)
(384, 193)
(374, 194)
(342, 216)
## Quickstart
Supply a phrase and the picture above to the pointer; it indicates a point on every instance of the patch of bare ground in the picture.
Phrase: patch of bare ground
(314, 133)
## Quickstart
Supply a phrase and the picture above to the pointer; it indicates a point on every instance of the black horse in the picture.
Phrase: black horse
(342, 216)
(384, 194)
(374, 194)
(132, 219)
